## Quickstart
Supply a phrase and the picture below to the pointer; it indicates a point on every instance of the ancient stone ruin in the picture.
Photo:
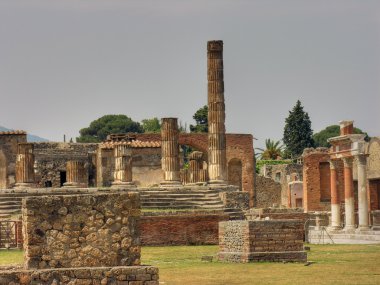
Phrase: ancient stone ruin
(82, 239)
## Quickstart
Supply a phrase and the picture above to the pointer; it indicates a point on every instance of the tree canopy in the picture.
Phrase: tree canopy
(201, 119)
(297, 132)
(151, 125)
(108, 124)
(273, 150)
(320, 138)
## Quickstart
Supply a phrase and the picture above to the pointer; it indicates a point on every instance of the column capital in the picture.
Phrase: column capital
(347, 161)
(333, 163)
(361, 159)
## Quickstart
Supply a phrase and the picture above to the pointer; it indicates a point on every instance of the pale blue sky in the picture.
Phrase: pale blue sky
(65, 63)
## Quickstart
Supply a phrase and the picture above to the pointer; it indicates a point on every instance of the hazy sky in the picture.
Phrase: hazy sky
(65, 63)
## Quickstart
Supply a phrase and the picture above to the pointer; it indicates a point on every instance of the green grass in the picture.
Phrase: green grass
(11, 257)
(333, 264)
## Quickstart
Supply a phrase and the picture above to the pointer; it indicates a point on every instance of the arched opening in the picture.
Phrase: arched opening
(235, 172)
(3, 170)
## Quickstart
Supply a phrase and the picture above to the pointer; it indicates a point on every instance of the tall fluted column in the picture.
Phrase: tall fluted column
(349, 206)
(25, 166)
(170, 152)
(75, 174)
(123, 166)
(362, 192)
(217, 162)
(335, 201)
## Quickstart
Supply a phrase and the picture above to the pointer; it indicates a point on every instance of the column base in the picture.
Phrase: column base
(123, 185)
(71, 185)
(171, 184)
(362, 229)
(217, 183)
(334, 228)
(349, 229)
(24, 185)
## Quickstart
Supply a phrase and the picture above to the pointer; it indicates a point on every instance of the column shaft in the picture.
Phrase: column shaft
(25, 165)
(335, 201)
(170, 152)
(362, 192)
(75, 174)
(123, 166)
(349, 206)
(217, 166)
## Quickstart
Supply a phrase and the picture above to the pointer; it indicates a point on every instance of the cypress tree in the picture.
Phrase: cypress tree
(298, 134)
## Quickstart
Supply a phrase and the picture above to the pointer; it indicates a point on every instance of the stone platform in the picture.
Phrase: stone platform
(327, 236)
(121, 275)
(270, 240)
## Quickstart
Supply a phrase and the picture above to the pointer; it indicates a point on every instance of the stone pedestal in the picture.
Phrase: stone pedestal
(362, 192)
(123, 167)
(335, 201)
(25, 166)
(376, 220)
(170, 153)
(217, 162)
(349, 206)
(75, 174)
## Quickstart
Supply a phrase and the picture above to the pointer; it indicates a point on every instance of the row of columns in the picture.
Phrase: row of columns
(349, 199)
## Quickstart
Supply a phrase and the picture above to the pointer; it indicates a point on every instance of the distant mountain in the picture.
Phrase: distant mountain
(30, 138)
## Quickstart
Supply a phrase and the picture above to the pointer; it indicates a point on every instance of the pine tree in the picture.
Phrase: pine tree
(298, 134)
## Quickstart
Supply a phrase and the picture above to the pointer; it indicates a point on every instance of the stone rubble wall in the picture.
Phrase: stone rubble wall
(81, 230)
(268, 192)
(237, 200)
(271, 240)
(122, 275)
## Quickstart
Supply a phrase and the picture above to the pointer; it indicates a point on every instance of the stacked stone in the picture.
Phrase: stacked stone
(25, 165)
(75, 174)
(123, 166)
(170, 152)
(216, 114)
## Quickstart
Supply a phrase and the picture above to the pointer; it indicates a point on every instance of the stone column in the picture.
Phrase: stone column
(362, 192)
(123, 166)
(335, 201)
(349, 206)
(75, 174)
(25, 166)
(217, 162)
(170, 153)
(195, 166)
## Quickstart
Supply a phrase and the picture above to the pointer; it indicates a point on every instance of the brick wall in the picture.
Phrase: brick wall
(273, 240)
(186, 229)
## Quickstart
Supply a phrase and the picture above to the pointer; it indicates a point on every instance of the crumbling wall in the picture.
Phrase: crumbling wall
(272, 240)
(268, 192)
(51, 159)
(8, 151)
(81, 230)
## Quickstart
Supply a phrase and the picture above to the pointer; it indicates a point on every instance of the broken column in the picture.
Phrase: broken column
(170, 152)
(195, 166)
(25, 166)
(349, 206)
(335, 202)
(217, 161)
(362, 192)
(75, 174)
(123, 166)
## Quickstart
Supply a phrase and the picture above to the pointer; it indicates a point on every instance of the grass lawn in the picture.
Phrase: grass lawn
(182, 265)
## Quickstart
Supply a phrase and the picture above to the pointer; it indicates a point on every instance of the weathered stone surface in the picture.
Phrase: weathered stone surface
(121, 275)
(81, 230)
(25, 165)
(272, 240)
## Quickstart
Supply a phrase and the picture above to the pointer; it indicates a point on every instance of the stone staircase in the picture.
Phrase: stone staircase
(207, 200)
(9, 206)
(324, 236)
